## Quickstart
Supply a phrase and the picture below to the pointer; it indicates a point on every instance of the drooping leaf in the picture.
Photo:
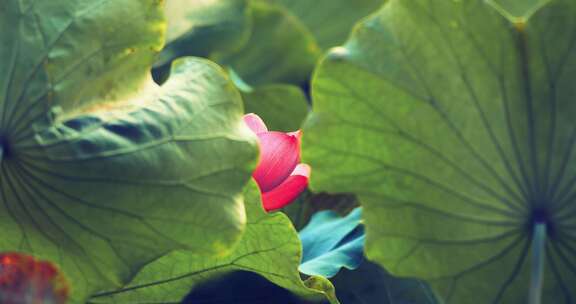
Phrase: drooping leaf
(280, 49)
(455, 128)
(331, 242)
(269, 247)
(369, 283)
(101, 170)
(198, 28)
(330, 21)
(284, 107)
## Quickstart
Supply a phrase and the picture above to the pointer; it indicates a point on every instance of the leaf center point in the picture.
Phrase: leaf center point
(540, 216)
(5, 150)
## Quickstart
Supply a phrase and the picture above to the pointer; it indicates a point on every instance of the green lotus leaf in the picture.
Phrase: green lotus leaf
(280, 49)
(101, 170)
(282, 106)
(454, 125)
(330, 21)
(270, 247)
(198, 28)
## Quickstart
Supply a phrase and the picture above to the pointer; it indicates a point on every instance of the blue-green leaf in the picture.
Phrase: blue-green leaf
(331, 242)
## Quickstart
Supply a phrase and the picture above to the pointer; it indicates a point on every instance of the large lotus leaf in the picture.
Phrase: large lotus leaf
(330, 21)
(101, 170)
(201, 27)
(280, 48)
(331, 242)
(270, 247)
(455, 127)
(282, 106)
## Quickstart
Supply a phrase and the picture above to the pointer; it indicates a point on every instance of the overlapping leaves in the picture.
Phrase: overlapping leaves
(270, 247)
(330, 21)
(280, 49)
(199, 28)
(269, 46)
(101, 170)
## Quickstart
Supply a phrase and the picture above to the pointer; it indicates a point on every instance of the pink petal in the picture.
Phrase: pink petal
(285, 193)
(279, 155)
(297, 134)
(255, 123)
(302, 169)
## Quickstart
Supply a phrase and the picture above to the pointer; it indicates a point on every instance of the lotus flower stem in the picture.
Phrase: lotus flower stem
(538, 258)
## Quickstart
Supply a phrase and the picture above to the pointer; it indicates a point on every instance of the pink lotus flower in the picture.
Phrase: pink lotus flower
(279, 174)
(25, 280)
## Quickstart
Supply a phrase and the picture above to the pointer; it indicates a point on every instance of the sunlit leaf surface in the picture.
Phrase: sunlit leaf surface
(100, 169)
(270, 247)
(455, 127)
